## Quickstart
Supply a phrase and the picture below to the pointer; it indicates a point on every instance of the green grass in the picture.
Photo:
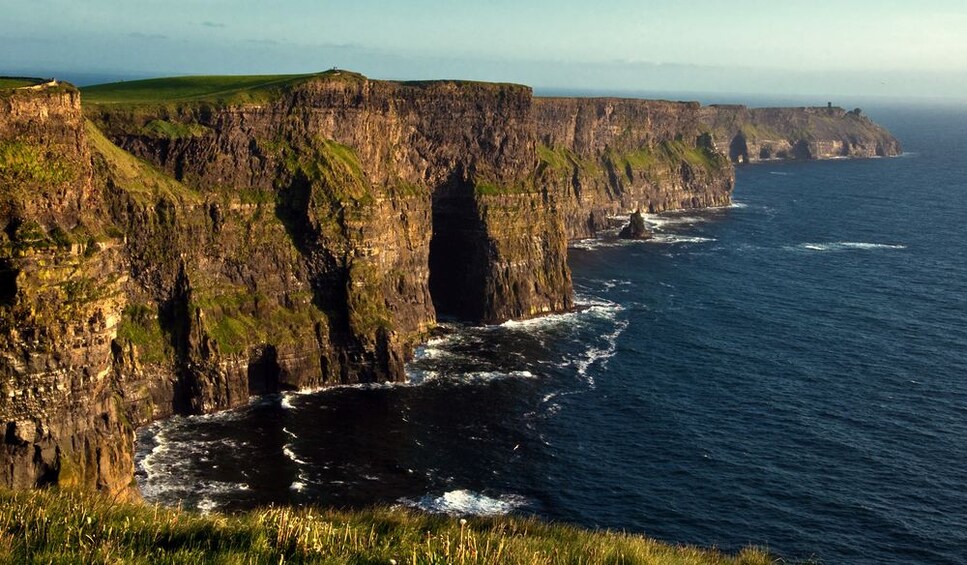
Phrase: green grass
(331, 165)
(489, 188)
(172, 130)
(140, 326)
(55, 526)
(138, 178)
(23, 162)
(237, 318)
(19, 82)
(225, 89)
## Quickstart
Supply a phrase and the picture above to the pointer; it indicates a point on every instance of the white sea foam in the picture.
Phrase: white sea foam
(466, 502)
(660, 221)
(484, 376)
(287, 450)
(847, 245)
(591, 244)
(676, 238)
(600, 355)
(613, 283)
(162, 471)
(206, 505)
(211, 490)
(587, 306)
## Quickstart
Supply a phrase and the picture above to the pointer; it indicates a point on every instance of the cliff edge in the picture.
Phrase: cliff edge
(178, 245)
(749, 135)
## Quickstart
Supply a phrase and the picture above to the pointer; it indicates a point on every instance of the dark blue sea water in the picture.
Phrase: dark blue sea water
(789, 372)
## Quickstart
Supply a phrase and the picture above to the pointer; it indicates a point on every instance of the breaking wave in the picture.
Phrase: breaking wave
(466, 502)
(847, 245)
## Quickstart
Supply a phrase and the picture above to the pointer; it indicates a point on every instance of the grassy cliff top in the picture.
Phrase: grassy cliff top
(56, 526)
(193, 88)
(19, 82)
(228, 89)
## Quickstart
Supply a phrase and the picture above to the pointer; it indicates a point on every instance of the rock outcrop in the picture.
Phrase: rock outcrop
(761, 134)
(62, 276)
(162, 257)
(605, 157)
(636, 228)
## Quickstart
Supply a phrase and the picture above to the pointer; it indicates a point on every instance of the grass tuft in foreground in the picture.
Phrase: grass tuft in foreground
(58, 526)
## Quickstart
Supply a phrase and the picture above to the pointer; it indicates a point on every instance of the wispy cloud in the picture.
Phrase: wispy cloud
(207, 23)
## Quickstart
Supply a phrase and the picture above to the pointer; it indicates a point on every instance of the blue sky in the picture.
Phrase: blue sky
(819, 47)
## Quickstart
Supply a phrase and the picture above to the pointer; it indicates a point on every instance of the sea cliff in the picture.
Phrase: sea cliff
(176, 246)
(749, 135)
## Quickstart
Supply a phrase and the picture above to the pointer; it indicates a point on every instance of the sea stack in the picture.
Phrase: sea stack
(636, 228)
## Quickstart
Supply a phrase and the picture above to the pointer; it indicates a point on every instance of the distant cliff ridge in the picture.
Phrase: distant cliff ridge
(608, 156)
(181, 244)
(761, 134)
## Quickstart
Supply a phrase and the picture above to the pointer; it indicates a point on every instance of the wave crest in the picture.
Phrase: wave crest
(466, 502)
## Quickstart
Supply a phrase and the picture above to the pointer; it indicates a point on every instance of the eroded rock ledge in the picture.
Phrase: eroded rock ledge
(177, 256)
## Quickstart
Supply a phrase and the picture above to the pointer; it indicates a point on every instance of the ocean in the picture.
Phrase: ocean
(789, 372)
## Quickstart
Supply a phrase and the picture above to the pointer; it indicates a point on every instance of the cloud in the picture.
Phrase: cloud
(207, 23)
(139, 35)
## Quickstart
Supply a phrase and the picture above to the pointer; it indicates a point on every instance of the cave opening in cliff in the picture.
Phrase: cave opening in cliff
(8, 283)
(739, 149)
(458, 253)
(264, 372)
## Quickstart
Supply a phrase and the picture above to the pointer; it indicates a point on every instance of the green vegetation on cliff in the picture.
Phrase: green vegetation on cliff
(142, 181)
(210, 88)
(237, 318)
(23, 164)
(140, 326)
(667, 155)
(171, 130)
(18, 82)
(219, 89)
(58, 526)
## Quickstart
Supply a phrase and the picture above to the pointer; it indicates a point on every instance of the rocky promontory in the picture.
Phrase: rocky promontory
(175, 246)
(749, 135)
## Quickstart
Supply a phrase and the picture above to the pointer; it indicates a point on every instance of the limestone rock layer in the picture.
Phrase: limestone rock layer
(178, 256)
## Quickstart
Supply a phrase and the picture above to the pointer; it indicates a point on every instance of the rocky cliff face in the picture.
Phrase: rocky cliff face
(61, 296)
(760, 134)
(165, 257)
(608, 156)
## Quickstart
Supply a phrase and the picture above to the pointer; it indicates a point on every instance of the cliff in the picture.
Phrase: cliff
(62, 275)
(606, 157)
(760, 134)
(182, 244)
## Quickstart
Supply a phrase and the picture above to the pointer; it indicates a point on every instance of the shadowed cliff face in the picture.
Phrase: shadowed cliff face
(171, 257)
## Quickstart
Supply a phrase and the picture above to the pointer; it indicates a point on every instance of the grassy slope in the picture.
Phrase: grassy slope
(192, 88)
(139, 178)
(18, 82)
(67, 527)
(230, 89)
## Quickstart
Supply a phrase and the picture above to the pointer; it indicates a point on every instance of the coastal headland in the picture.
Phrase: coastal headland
(174, 246)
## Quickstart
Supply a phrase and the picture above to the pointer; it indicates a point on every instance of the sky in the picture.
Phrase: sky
(816, 48)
